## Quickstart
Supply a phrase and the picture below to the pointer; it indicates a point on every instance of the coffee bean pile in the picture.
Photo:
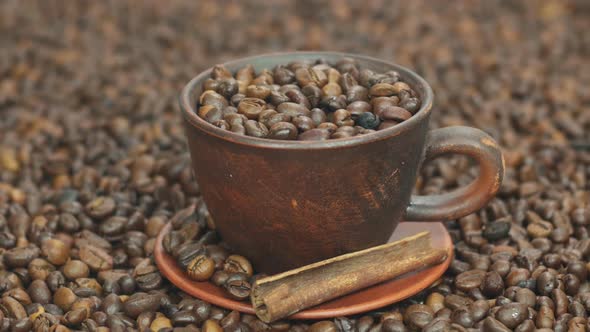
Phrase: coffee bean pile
(93, 160)
(193, 243)
(306, 101)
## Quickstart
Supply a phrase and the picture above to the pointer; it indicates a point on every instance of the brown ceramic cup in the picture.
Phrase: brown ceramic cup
(284, 204)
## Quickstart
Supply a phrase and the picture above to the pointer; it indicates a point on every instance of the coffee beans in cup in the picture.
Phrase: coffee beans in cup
(306, 101)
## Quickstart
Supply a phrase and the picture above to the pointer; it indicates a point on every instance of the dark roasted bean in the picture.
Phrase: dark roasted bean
(512, 314)
(201, 268)
(317, 134)
(418, 315)
(283, 130)
(238, 286)
(96, 258)
(141, 302)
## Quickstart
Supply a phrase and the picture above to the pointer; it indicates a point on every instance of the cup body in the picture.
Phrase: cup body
(288, 204)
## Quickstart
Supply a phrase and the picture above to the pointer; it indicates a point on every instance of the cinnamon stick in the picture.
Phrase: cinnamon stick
(284, 294)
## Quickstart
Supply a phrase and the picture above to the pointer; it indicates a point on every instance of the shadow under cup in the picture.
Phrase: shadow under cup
(285, 204)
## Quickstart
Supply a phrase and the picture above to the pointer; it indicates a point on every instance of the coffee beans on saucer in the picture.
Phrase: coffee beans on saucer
(203, 259)
(307, 101)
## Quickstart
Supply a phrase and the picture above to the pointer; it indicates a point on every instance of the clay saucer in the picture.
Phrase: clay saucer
(364, 300)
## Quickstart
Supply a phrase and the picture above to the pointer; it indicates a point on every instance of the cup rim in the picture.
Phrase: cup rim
(189, 112)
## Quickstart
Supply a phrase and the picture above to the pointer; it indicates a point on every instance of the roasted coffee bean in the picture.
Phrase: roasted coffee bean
(342, 117)
(393, 113)
(258, 91)
(561, 324)
(40, 269)
(218, 253)
(148, 278)
(344, 132)
(227, 87)
(357, 93)
(13, 308)
(435, 301)
(296, 96)
(571, 284)
(238, 264)
(492, 284)
(75, 317)
(64, 298)
(187, 252)
(87, 237)
(55, 251)
(462, 317)
(364, 323)
(238, 286)
(392, 325)
(317, 134)
(25, 325)
(479, 309)
(283, 131)
(323, 326)
(55, 280)
(545, 317)
(39, 292)
(7, 240)
(283, 75)
(251, 107)
(496, 230)
(265, 116)
(501, 267)
(454, 301)
(546, 283)
(368, 120)
(210, 113)
(255, 129)
(127, 284)
(101, 207)
(213, 99)
(141, 302)
(561, 301)
(276, 118)
(230, 319)
(211, 326)
(220, 72)
(578, 269)
(577, 309)
(418, 315)
(303, 123)
(525, 296)
(74, 269)
(276, 98)
(86, 287)
(305, 76)
(111, 286)
(201, 268)
(96, 258)
(469, 280)
(293, 109)
(111, 304)
(512, 314)
(526, 326)
(517, 275)
(333, 103)
(577, 324)
(20, 257)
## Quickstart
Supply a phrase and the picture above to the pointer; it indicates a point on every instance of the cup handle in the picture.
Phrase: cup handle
(465, 200)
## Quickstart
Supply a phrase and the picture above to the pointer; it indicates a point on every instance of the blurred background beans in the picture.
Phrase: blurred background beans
(93, 161)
